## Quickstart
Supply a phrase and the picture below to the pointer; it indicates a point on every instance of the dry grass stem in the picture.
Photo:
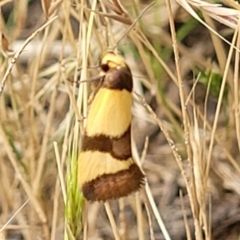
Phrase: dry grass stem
(18, 53)
(13, 216)
(112, 221)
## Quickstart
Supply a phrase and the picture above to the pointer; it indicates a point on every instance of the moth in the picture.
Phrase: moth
(106, 169)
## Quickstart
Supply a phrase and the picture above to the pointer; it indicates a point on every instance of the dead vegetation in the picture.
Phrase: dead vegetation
(184, 58)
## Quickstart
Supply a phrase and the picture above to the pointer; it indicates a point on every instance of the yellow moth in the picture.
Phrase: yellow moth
(106, 169)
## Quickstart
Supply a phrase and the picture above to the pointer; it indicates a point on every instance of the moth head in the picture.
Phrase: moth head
(111, 60)
(116, 74)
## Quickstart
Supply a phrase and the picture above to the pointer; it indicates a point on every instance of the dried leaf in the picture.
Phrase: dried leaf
(4, 43)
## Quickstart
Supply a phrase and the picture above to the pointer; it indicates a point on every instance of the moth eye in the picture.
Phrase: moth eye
(104, 67)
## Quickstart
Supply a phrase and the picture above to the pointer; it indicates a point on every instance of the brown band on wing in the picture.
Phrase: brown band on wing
(118, 78)
(116, 185)
(119, 148)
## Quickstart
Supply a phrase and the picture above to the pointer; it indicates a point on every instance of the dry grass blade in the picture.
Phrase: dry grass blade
(236, 87)
(231, 19)
(188, 233)
(53, 7)
(23, 181)
(61, 177)
(139, 218)
(112, 221)
(150, 222)
(18, 53)
(49, 7)
(220, 99)
(136, 20)
(13, 216)
(148, 193)
(233, 3)
(45, 6)
(156, 212)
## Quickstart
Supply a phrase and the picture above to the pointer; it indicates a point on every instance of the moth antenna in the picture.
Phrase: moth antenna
(92, 79)
(89, 67)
